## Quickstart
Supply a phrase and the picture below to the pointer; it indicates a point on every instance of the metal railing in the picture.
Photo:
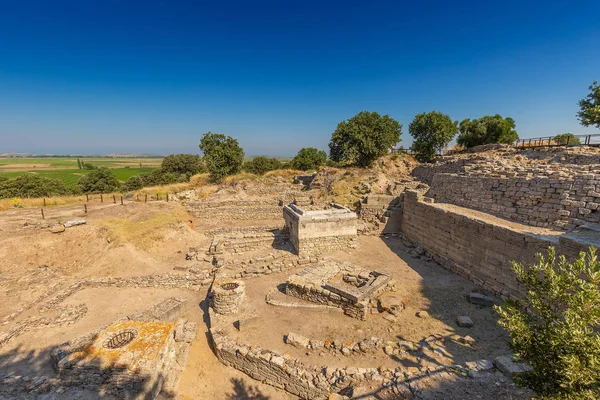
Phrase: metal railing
(550, 141)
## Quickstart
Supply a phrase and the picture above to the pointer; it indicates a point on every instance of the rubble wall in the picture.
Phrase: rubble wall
(472, 247)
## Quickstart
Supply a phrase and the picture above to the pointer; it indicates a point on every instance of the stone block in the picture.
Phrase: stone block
(510, 367)
(297, 340)
(464, 321)
(481, 299)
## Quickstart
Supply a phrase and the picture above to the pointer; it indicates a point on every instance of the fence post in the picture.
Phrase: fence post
(167, 197)
(121, 200)
(101, 198)
(157, 198)
(44, 202)
(42, 210)
(114, 199)
(87, 198)
(85, 208)
(146, 198)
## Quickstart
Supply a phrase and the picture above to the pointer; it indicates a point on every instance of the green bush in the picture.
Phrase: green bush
(363, 138)
(100, 180)
(555, 326)
(487, 130)
(32, 185)
(222, 154)
(565, 138)
(158, 177)
(260, 165)
(309, 158)
(186, 164)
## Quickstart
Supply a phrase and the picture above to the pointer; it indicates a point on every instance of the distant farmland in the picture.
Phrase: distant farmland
(67, 171)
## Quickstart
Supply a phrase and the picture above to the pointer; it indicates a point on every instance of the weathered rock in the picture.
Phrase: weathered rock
(464, 321)
(480, 365)
(422, 314)
(57, 228)
(297, 340)
(75, 222)
(481, 299)
(509, 367)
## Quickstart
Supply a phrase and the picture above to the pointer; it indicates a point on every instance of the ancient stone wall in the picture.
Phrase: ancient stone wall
(560, 198)
(471, 246)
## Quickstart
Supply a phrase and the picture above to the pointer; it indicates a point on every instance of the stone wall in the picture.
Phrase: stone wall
(560, 199)
(471, 246)
(315, 231)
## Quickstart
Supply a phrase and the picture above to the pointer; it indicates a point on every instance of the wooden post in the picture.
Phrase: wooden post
(138, 197)
(101, 198)
(44, 202)
(167, 197)
(146, 198)
(121, 200)
(42, 213)
(114, 199)
(87, 198)
(85, 208)
(157, 196)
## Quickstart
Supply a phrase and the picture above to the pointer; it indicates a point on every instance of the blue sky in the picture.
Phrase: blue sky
(151, 77)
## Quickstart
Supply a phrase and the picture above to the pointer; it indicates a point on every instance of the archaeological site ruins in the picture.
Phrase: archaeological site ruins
(360, 283)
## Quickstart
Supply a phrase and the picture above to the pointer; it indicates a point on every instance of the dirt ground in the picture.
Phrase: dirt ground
(141, 239)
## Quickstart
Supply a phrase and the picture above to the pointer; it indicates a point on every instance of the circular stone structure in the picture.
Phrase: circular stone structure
(120, 339)
(228, 296)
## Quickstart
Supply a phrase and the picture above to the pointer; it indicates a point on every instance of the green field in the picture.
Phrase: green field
(65, 168)
(70, 177)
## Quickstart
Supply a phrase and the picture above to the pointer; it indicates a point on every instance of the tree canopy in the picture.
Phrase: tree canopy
(567, 138)
(260, 165)
(363, 138)
(222, 154)
(100, 180)
(589, 108)
(487, 130)
(309, 158)
(186, 164)
(432, 132)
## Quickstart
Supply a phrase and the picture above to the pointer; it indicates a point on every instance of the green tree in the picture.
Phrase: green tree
(589, 108)
(260, 165)
(32, 185)
(432, 132)
(100, 180)
(487, 130)
(565, 138)
(78, 163)
(186, 164)
(363, 138)
(555, 327)
(309, 158)
(222, 154)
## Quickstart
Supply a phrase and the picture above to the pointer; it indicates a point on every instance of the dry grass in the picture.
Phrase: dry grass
(145, 230)
(284, 173)
(6, 204)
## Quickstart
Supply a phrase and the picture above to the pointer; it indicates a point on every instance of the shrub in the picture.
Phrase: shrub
(32, 185)
(363, 138)
(309, 158)
(487, 130)
(565, 138)
(187, 164)
(100, 180)
(555, 326)
(158, 177)
(222, 154)
(260, 165)
(432, 132)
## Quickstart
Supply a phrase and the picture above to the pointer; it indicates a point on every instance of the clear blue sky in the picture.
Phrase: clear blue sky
(152, 77)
